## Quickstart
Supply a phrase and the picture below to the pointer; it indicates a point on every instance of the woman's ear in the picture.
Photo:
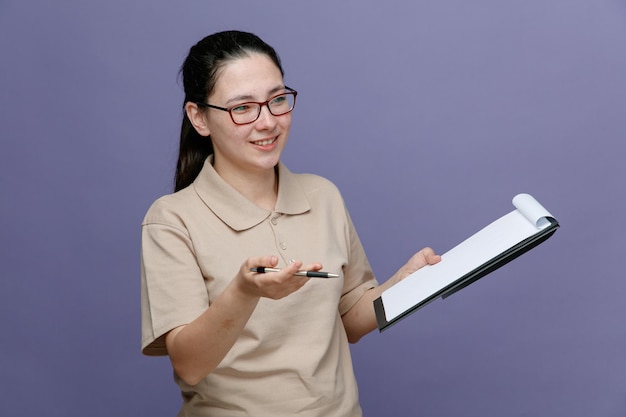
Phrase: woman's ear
(197, 118)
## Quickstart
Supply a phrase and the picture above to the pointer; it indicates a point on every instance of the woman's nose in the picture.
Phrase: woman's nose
(266, 118)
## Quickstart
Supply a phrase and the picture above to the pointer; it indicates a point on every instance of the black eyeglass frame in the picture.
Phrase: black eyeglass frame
(260, 103)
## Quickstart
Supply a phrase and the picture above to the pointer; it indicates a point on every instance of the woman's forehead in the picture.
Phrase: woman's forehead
(251, 76)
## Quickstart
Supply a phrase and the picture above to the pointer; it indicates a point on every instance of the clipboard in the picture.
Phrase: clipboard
(492, 247)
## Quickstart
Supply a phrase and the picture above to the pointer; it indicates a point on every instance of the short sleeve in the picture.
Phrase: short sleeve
(358, 275)
(173, 291)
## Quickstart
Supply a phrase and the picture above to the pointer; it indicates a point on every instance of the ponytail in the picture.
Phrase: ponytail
(194, 149)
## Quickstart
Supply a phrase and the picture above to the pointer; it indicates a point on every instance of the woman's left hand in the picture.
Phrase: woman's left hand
(422, 258)
(360, 319)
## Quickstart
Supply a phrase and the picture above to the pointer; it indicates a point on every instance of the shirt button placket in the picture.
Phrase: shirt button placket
(274, 220)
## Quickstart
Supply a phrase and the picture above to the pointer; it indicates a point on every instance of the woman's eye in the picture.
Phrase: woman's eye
(243, 108)
(279, 99)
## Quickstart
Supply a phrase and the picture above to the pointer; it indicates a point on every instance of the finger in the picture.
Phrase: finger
(430, 257)
(420, 259)
(269, 261)
(312, 267)
(293, 266)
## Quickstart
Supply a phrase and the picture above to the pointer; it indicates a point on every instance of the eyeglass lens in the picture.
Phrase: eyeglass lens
(249, 112)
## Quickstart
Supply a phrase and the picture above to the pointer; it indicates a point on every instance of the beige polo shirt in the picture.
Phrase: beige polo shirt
(293, 356)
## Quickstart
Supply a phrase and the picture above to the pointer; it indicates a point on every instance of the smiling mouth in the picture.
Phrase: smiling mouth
(264, 142)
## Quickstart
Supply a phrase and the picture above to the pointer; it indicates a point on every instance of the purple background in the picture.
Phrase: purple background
(429, 115)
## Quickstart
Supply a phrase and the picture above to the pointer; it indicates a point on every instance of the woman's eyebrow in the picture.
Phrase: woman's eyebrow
(243, 97)
(248, 97)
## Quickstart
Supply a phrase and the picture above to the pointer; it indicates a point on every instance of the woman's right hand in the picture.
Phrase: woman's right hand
(274, 285)
(195, 349)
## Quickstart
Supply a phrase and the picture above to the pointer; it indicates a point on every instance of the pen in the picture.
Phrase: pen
(310, 274)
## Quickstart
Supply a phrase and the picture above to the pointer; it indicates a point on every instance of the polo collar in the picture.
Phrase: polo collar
(234, 209)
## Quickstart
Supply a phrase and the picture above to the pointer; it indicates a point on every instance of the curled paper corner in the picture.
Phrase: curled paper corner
(532, 210)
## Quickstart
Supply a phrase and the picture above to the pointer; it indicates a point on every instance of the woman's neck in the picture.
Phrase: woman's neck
(259, 187)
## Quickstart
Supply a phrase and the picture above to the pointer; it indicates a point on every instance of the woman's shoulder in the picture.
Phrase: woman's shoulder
(306, 181)
(170, 207)
(316, 180)
(320, 191)
(313, 182)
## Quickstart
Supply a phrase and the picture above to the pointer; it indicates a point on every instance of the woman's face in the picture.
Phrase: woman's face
(256, 146)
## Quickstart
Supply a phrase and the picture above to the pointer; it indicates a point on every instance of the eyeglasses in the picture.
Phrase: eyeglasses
(249, 112)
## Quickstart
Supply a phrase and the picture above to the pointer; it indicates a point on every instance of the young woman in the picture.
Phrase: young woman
(243, 342)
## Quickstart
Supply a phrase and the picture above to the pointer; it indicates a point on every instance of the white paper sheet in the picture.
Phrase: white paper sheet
(528, 218)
